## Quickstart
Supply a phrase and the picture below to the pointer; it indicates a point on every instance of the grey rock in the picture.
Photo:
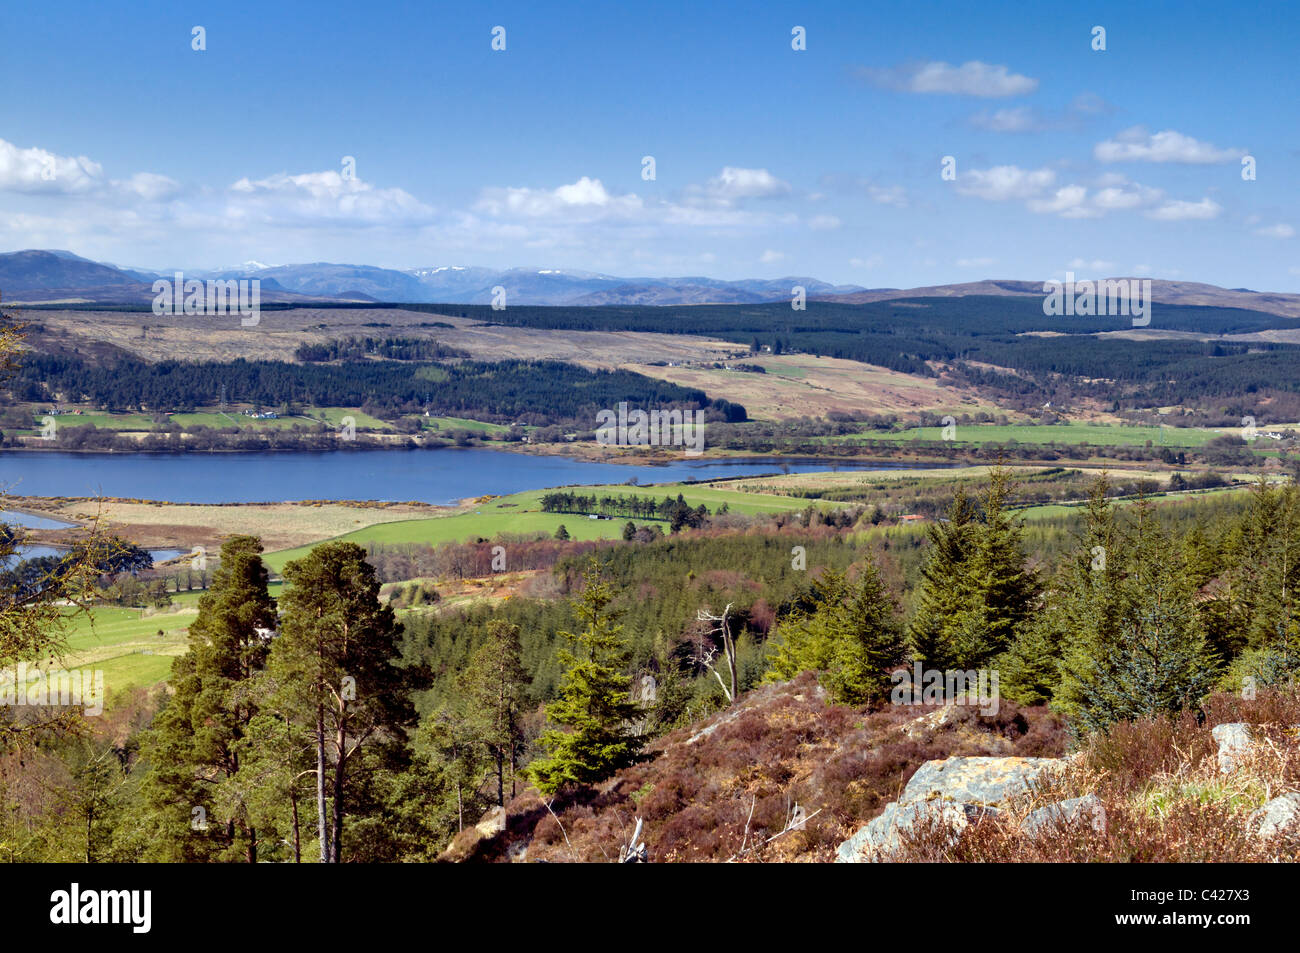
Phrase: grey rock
(1234, 744)
(985, 780)
(1087, 809)
(883, 836)
(1279, 816)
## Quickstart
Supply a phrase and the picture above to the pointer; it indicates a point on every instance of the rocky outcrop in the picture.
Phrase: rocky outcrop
(950, 794)
(1079, 810)
(985, 781)
(884, 835)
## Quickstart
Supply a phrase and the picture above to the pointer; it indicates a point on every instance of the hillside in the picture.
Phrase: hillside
(785, 776)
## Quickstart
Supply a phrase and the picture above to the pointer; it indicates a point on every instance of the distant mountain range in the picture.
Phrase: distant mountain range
(44, 276)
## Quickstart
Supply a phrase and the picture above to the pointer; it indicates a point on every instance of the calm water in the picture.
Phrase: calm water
(35, 552)
(430, 476)
(32, 520)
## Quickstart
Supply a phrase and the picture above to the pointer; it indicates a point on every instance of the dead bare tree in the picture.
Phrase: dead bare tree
(707, 652)
(796, 819)
(634, 851)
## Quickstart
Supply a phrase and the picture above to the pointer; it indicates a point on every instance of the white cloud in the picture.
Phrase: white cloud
(871, 261)
(970, 79)
(1138, 145)
(824, 223)
(1126, 196)
(894, 195)
(975, 262)
(1005, 182)
(38, 170)
(771, 257)
(1017, 119)
(585, 197)
(1067, 201)
(1177, 210)
(734, 184)
(1280, 230)
(151, 187)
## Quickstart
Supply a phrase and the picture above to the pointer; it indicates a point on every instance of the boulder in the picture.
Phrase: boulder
(952, 793)
(1234, 744)
(985, 781)
(883, 836)
(1279, 816)
(1087, 809)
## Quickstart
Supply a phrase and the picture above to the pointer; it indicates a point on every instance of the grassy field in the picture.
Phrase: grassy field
(211, 418)
(520, 513)
(1097, 435)
(125, 644)
(461, 423)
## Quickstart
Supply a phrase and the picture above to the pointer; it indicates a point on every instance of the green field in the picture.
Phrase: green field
(232, 418)
(461, 423)
(520, 513)
(1098, 435)
(125, 645)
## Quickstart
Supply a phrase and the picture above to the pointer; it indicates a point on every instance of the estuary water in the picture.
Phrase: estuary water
(427, 476)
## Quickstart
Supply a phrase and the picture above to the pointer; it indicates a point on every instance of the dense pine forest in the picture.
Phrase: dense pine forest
(540, 392)
(973, 332)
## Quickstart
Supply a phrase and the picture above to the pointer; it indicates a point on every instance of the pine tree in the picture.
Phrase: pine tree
(591, 739)
(334, 672)
(494, 687)
(194, 745)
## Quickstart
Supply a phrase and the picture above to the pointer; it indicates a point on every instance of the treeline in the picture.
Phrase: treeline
(532, 392)
(388, 349)
(677, 512)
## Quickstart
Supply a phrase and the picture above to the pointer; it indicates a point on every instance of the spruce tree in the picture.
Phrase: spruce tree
(1145, 653)
(943, 596)
(869, 643)
(977, 591)
(591, 738)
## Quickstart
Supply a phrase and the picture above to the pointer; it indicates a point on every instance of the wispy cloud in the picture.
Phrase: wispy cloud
(973, 78)
(1177, 210)
(1005, 182)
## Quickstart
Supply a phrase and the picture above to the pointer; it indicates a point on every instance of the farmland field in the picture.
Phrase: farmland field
(1100, 435)
(520, 513)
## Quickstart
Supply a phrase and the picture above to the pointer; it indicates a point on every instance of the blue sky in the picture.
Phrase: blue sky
(120, 142)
